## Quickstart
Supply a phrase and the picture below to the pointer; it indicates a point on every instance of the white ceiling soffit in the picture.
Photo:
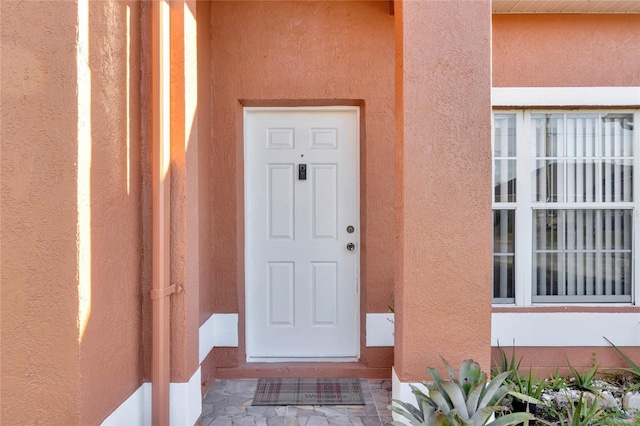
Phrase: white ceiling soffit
(566, 6)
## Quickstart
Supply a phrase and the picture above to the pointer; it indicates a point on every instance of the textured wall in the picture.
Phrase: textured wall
(185, 212)
(302, 50)
(549, 360)
(205, 101)
(566, 50)
(40, 352)
(71, 251)
(443, 163)
(110, 344)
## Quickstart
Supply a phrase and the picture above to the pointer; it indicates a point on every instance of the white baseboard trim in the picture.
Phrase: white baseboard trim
(136, 410)
(565, 96)
(185, 405)
(379, 329)
(402, 392)
(220, 330)
(186, 401)
(565, 329)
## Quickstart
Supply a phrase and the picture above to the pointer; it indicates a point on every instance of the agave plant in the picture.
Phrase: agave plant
(465, 400)
(584, 381)
(582, 414)
(633, 368)
(528, 391)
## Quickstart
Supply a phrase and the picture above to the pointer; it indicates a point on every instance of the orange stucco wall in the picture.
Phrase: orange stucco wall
(71, 234)
(185, 211)
(40, 348)
(547, 361)
(146, 192)
(110, 346)
(302, 51)
(566, 50)
(443, 208)
(205, 101)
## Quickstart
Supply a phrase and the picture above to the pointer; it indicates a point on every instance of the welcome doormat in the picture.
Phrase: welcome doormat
(298, 391)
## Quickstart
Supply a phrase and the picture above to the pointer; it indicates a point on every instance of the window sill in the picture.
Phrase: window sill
(555, 308)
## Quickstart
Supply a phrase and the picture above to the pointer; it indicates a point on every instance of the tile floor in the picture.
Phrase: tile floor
(228, 403)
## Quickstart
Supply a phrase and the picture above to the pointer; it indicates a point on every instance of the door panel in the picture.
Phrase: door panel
(302, 298)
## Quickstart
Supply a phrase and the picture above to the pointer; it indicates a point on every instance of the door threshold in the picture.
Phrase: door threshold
(256, 370)
(272, 360)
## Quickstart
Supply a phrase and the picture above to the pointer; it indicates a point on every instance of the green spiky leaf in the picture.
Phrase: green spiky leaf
(490, 393)
(634, 368)
(473, 398)
(512, 419)
(457, 397)
(525, 398)
(441, 402)
(408, 411)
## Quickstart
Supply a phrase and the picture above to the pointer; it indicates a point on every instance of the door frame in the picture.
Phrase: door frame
(357, 308)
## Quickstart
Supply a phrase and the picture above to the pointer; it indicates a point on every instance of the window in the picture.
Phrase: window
(564, 207)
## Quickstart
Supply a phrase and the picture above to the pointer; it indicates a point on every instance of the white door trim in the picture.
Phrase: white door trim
(247, 248)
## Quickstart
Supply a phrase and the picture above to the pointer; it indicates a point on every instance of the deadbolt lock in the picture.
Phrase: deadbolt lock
(350, 229)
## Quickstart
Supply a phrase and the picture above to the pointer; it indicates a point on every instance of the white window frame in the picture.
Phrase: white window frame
(526, 101)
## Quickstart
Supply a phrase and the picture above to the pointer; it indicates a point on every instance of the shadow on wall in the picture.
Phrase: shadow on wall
(110, 205)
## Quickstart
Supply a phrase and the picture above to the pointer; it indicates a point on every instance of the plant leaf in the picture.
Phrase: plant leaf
(472, 377)
(407, 410)
(442, 420)
(470, 374)
(634, 368)
(437, 384)
(457, 397)
(450, 370)
(441, 403)
(492, 389)
(525, 398)
(473, 398)
(512, 419)
(420, 396)
(481, 417)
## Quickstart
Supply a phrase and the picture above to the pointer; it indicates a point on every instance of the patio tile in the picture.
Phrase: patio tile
(276, 421)
(331, 411)
(317, 421)
(371, 421)
(217, 421)
(339, 421)
(228, 403)
(257, 410)
(244, 421)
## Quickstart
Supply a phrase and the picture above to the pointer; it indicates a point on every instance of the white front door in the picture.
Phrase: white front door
(301, 233)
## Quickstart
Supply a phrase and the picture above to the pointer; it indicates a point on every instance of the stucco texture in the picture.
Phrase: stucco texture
(111, 342)
(71, 237)
(443, 269)
(40, 348)
(185, 212)
(284, 52)
(566, 50)
(546, 361)
(205, 100)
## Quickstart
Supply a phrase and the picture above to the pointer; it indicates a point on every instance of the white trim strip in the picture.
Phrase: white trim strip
(379, 330)
(136, 410)
(402, 392)
(220, 330)
(565, 96)
(564, 329)
(185, 401)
